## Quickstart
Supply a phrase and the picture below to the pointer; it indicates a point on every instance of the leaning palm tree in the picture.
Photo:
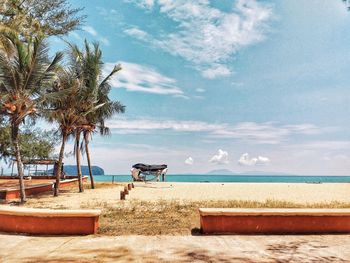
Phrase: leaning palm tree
(25, 73)
(95, 105)
(63, 111)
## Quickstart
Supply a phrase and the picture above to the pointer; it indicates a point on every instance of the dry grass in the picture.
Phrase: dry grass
(174, 217)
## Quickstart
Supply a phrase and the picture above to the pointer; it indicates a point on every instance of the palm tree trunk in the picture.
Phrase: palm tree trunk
(86, 139)
(15, 141)
(77, 156)
(59, 168)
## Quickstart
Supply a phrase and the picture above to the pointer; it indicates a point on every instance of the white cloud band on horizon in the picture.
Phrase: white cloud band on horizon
(205, 36)
(251, 132)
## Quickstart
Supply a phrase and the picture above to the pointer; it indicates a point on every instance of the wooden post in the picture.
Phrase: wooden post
(126, 191)
(122, 195)
(132, 185)
(129, 187)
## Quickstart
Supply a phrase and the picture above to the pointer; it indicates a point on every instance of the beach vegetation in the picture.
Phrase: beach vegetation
(26, 74)
(33, 18)
(34, 143)
(65, 112)
(95, 106)
(74, 95)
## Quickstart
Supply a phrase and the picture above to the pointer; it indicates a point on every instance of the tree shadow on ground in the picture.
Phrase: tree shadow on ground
(202, 255)
(85, 255)
(301, 251)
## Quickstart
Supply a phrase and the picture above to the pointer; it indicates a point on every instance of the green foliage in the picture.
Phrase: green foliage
(95, 105)
(26, 73)
(34, 143)
(5, 143)
(40, 17)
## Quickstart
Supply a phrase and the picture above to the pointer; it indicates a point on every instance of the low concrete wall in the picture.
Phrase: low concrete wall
(274, 221)
(48, 222)
(14, 193)
(40, 177)
(9, 194)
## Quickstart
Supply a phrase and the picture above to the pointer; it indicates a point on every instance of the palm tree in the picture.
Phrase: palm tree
(25, 73)
(63, 111)
(95, 105)
(97, 120)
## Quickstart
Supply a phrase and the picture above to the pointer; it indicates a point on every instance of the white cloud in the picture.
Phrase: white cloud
(204, 35)
(136, 77)
(220, 158)
(146, 4)
(75, 35)
(90, 30)
(337, 158)
(200, 90)
(216, 71)
(249, 132)
(322, 145)
(265, 133)
(137, 33)
(189, 161)
(149, 124)
(245, 160)
(104, 41)
(114, 17)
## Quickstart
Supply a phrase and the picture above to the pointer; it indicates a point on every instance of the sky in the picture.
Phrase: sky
(219, 84)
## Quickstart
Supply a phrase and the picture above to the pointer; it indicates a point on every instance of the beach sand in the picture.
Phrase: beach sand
(302, 193)
(297, 192)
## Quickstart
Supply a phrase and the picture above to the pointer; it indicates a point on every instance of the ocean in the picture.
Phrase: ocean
(235, 178)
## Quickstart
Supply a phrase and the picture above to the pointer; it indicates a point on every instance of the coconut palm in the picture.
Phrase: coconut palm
(96, 119)
(25, 74)
(63, 111)
(95, 104)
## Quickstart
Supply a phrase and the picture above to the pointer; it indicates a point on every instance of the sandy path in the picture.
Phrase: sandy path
(175, 249)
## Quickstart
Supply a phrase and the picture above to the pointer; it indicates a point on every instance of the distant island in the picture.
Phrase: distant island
(229, 172)
(72, 170)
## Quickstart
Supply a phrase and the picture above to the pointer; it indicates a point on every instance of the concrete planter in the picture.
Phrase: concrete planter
(274, 221)
(48, 221)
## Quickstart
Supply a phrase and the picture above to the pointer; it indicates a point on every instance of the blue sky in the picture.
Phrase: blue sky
(241, 85)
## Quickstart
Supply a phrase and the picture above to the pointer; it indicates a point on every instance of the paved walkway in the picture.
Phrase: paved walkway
(310, 248)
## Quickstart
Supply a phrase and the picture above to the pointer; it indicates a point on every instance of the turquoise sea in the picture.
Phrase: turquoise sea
(235, 178)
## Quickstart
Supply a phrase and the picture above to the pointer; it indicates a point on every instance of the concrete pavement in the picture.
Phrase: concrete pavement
(306, 248)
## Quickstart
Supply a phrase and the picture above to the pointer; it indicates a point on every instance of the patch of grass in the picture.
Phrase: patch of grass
(174, 217)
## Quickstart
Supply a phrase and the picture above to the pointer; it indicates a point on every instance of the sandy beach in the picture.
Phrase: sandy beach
(190, 192)
(297, 192)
